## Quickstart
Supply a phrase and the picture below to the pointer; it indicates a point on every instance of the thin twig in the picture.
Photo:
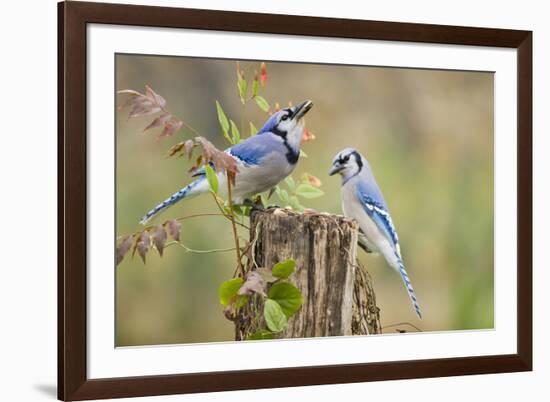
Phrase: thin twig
(402, 323)
(253, 245)
(181, 218)
(190, 250)
(227, 216)
(191, 128)
(245, 252)
(234, 226)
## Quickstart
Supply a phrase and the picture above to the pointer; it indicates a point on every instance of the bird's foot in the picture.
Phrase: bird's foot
(255, 205)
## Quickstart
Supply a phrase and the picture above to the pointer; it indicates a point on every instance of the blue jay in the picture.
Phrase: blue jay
(262, 160)
(363, 201)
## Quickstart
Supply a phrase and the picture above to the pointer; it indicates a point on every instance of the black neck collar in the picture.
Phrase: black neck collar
(292, 155)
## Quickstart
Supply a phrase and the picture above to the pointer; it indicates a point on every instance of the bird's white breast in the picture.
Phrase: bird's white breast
(254, 179)
(353, 209)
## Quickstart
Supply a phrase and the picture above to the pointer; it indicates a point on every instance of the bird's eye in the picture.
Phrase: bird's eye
(285, 117)
(346, 158)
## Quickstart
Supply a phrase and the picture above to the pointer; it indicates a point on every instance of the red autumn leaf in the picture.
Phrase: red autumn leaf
(143, 104)
(159, 121)
(156, 98)
(171, 127)
(151, 103)
(188, 147)
(159, 238)
(143, 244)
(208, 149)
(197, 164)
(221, 160)
(307, 135)
(314, 181)
(177, 148)
(254, 284)
(174, 228)
(263, 74)
(123, 248)
(143, 107)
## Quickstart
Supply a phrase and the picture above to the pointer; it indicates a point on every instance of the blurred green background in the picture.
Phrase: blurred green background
(427, 134)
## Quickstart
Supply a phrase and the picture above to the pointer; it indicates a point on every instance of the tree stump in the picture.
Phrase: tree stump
(338, 295)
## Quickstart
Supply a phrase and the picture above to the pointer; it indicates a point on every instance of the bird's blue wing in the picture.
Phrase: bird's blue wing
(374, 205)
(372, 200)
(253, 149)
(250, 152)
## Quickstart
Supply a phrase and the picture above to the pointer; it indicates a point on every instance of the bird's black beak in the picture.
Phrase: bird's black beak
(302, 109)
(335, 169)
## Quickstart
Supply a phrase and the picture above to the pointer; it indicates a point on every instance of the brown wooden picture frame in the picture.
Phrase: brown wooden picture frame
(73, 382)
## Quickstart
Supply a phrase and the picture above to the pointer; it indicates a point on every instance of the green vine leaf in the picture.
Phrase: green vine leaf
(241, 301)
(224, 123)
(228, 290)
(274, 316)
(287, 296)
(255, 86)
(306, 190)
(243, 87)
(253, 129)
(212, 178)
(295, 204)
(238, 210)
(235, 134)
(283, 195)
(260, 335)
(290, 183)
(283, 269)
(265, 199)
(262, 103)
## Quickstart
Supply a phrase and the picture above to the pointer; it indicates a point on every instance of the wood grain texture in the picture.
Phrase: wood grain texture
(325, 250)
(365, 318)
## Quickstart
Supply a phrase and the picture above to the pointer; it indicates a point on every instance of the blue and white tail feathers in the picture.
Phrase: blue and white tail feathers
(194, 188)
(408, 285)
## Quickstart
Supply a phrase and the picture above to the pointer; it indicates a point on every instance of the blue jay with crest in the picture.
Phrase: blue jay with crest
(363, 201)
(262, 160)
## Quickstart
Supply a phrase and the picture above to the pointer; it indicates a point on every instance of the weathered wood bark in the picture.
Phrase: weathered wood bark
(337, 292)
(365, 314)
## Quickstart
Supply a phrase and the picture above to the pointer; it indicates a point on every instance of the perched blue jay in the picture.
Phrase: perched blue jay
(262, 160)
(363, 201)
